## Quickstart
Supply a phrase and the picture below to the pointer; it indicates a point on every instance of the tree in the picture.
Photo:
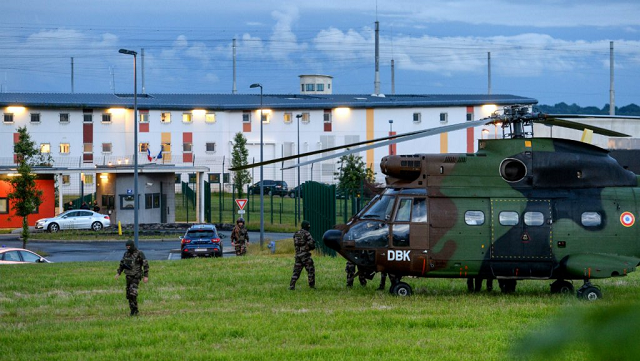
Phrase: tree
(239, 156)
(352, 174)
(25, 195)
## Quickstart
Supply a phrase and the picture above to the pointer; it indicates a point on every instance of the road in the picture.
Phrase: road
(79, 251)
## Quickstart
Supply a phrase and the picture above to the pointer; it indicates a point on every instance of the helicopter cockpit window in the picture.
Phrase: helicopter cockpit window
(533, 218)
(403, 214)
(419, 213)
(591, 219)
(369, 234)
(381, 209)
(474, 218)
(508, 218)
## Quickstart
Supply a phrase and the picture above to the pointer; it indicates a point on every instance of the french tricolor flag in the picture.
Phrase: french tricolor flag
(149, 155)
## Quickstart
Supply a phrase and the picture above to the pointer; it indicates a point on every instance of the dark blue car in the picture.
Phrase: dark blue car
(201, 240)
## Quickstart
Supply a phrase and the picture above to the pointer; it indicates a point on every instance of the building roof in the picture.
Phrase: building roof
(252, 101)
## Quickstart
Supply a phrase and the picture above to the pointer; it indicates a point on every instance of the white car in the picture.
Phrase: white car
(20, 255)
(75, 219)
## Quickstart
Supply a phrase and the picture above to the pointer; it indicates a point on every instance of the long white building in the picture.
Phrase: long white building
(85, 130)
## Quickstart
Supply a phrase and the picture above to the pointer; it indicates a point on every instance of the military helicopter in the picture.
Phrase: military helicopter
(520, 208)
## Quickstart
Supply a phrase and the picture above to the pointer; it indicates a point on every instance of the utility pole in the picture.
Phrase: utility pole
(612, 101)
(72, 91)
(234, 90)
(489, 73)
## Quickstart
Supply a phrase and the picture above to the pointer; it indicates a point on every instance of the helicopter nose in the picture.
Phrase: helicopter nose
(332, 239)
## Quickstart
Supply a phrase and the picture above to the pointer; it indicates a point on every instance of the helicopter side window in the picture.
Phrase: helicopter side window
(474, 218)
(591, 219)
(403, 214)
(369, 234)
(533, 218)
(508, 218)
(381, 209)
(419, 213)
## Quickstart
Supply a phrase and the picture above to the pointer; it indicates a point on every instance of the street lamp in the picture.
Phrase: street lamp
(257, 85)
(297, 217)
(135, 144)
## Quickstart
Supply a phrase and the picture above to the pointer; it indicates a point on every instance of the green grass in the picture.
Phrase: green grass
(239, 308)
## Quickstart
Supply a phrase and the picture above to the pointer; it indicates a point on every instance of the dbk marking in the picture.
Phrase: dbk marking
(398, 256)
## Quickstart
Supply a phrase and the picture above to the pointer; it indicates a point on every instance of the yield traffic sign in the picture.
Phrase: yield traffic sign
(241, 203)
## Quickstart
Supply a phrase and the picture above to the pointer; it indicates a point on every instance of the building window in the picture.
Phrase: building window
(4, 205)
(178, 178)
(327, 116)
(187, 117)
(186, 147)
(320, 87)
(45, 148)
(302, 87)
(8, 118)
(211, 147)
(66, 179)
(469, 117)
(246, 117)
(144, 116)
(151, 200)
(106, 147)
(210, 118)
(310, 87)
(287, 118)
(142, 147)
(65, 148)
(444, 117)
(106, 118)
(87, 148)
(127, 201)
(165, 118)
(266, 117)
(64, 117)
(88, 179)
(306, 117)
(35, 117)
(417, 117)
(87, 117)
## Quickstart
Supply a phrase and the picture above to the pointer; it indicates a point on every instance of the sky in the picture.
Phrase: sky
(551, 50)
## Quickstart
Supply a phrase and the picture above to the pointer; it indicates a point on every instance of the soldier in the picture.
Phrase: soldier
(351, 275)
(240, 237)
(304, 244)
(135, 266)
(68, 206)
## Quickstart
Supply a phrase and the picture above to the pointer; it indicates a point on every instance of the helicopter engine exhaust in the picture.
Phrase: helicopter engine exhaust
(405, 167)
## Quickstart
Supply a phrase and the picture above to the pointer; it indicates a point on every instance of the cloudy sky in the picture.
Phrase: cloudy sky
(550, 50)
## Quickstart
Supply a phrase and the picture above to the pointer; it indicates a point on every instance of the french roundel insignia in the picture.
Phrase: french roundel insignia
(627, 219)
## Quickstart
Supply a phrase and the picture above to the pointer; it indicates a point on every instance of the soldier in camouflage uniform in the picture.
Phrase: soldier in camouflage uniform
(304, 244)
(135, 266)
(240, 237)
(351, 275)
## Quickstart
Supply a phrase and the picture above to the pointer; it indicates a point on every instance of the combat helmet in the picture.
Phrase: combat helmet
(306, 225)
(240, 220)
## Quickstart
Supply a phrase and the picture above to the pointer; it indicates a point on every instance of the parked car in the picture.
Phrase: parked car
(271, 187)
(293, 192)
(201, 240)
(75, 219)
(20, 255)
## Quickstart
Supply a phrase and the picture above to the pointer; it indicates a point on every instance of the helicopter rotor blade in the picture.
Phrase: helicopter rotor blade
(406, 137)
(372, 143)
(562, 120)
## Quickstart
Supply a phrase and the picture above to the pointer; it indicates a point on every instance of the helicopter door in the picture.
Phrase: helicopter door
(521, 232)
(410, 236)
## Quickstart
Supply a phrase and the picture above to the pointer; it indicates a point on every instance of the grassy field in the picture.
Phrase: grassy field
(240, 309)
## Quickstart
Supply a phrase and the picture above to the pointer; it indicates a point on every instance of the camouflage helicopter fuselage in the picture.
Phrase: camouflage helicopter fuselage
(516, 209)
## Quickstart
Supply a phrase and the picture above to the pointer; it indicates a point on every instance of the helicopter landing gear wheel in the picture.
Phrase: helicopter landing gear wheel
(563, 287)
(589, 292)
(401, 289)
(507, 286)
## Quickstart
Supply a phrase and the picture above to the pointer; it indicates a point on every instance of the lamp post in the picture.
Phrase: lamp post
(297, 217)
(391, 146)
(257, 85)
(135, 144)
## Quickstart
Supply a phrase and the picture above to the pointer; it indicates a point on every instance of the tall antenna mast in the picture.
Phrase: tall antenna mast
(612, 102)
(234, 90)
